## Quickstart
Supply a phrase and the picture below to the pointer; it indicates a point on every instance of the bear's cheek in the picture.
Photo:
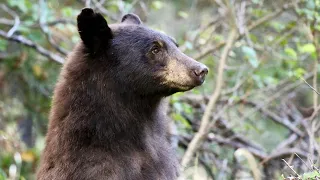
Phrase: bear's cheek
(176, 75)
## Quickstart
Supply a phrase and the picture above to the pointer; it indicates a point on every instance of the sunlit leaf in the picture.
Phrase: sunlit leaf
(28, 156)
(291, 52)
(183, 14)
(67, 11)
(310, 175)
(178, 117)
(157, 5)
(307, 48)
(299, 72)
(37, 71)
(3, 175)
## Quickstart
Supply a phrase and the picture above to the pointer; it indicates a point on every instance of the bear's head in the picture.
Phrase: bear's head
(137, 58)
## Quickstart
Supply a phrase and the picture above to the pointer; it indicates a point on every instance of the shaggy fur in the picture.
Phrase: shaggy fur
(107, 121)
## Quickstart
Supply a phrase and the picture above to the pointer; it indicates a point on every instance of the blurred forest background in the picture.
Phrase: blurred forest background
(256, 116)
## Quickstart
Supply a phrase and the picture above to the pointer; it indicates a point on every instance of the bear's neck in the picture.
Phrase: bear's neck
(104, 116)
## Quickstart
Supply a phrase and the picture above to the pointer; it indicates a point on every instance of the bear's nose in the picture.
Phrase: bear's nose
(201, 71)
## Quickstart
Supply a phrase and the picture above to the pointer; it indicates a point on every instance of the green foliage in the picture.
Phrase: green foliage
(3, 45)
(291, 53)
(262, 62)
(307, 48)
(311, 175)
(22, 5)
(157, 5)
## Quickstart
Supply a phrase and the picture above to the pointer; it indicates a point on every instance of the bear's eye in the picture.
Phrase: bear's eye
(155, 49)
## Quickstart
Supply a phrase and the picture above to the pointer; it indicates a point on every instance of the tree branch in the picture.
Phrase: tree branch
(252, 26)
(44, 28)
(205, 121)
(273, 116)
(103, 10)
(26, 42)
(266, 103)
(16, 19)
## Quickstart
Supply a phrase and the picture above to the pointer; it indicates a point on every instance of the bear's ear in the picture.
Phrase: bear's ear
(131, 19)
(93, 29)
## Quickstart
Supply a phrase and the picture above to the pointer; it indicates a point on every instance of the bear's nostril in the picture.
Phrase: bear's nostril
(204, 72)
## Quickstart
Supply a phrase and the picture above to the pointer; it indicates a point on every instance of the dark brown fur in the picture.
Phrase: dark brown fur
(106, 120)
(93, 135)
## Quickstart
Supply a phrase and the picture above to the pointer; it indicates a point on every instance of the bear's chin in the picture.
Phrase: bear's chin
(182, 87)
(177, 88)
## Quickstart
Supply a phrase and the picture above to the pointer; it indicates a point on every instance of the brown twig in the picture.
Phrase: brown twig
(273, 116)
(252, 26)
(314, 90)
(291, 167)
(205, 121)
(275, 96)
(292, 138)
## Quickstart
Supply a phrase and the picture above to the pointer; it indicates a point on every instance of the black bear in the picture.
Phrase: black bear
(107, 121)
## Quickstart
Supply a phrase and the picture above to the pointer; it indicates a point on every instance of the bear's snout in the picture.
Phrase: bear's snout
(184, 73)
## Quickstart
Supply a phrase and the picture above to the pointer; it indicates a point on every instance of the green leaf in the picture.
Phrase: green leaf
(291, 53)
(179, 118)
(183, 14)
(3, 45)
(188, 108)
(290, 64)
(311, 5)
(251, 55)
(310, 175)
(21, 4)
(67, 11)
(299, 72)
(157, 5)
(307, 48)
(3, 175)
